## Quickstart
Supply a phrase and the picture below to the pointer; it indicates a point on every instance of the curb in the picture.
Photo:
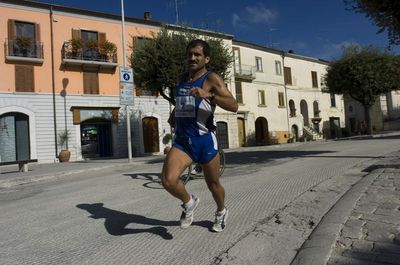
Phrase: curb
(317, 248)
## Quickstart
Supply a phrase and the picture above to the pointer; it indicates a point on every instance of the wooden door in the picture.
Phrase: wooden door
(241, 132)
(150, 135)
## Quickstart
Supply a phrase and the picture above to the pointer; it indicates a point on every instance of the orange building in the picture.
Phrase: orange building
(60, 73)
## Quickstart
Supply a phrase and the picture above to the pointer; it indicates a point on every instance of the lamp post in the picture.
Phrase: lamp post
(128, 120)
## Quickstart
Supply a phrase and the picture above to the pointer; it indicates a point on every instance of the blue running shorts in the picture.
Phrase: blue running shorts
(201, 149)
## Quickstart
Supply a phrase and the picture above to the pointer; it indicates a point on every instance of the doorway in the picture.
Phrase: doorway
(262, 134)
(150, 135)
(241, 132)
(96, 139)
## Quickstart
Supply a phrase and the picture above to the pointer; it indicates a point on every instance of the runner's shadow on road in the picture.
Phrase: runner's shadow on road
(153, 180)
(115, 221)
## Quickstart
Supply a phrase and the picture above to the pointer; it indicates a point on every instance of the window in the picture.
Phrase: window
(261, 97)
(222, 134)
(278, 68)
(259, 64)
(23, 39)
(281, 98)
(90, 44)
(288, 75)
(91, 83)
(333, 100)
(239, 96)
(292, 108)
(24, 78)
(314, 79)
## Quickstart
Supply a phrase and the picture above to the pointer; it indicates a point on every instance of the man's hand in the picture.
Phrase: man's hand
(198, 92)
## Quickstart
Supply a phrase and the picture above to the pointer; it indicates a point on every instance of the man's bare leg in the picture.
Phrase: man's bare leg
(175, 163)
(211, 175)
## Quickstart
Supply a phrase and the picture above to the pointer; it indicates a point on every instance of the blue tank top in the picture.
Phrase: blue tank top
(194, 116)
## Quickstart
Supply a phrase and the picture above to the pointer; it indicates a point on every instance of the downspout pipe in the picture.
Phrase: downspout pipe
(286, 99)
(53, 82)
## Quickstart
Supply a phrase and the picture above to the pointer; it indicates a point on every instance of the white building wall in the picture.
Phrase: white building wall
(301, 89)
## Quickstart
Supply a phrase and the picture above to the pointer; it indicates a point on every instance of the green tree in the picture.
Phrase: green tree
(158, 62)
(384, 13)
(364, 73)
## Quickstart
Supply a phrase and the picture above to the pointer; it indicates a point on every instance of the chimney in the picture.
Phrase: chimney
(147, 15)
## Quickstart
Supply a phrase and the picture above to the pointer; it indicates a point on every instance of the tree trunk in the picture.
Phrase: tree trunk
(367, 115)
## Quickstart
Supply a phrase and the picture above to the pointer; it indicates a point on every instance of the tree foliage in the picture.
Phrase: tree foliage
(384, 13)
(158, 62)
(364, 73)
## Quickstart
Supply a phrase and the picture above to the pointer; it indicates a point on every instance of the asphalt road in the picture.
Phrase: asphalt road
(121, 216)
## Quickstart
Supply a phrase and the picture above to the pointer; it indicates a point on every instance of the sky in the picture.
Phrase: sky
(315, 28)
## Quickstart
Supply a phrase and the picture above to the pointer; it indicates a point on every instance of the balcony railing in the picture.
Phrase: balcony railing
(88, 55)
(245, 72)
(31, 51)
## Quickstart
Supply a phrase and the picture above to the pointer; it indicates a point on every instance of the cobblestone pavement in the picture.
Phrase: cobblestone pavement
(363, 228)
(371, 234)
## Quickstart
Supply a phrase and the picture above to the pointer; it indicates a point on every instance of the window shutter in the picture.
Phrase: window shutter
(102, 37)
(11, 29)
(37, 32)
(76, 116)
(90, 83)
(288, 75)
(24, 78)
(76, 33)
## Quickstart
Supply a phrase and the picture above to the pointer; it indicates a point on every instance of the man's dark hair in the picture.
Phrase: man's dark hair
(202, 43)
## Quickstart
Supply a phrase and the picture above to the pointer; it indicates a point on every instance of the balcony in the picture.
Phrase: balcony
(245, 72)
(89, 55)
(23, 49)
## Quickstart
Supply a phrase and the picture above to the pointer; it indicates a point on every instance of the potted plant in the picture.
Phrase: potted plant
(23, 44)
(76, 46)
(63, 138)
(92, 47)
(107, 49)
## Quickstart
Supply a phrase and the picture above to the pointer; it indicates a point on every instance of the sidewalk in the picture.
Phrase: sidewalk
(363, 228)
(10, 176)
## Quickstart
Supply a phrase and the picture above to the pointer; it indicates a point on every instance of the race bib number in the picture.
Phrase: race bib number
(185, 107)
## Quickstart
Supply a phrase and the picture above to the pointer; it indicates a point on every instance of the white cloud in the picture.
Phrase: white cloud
(235, 19)
(254, 15)
(260, 14)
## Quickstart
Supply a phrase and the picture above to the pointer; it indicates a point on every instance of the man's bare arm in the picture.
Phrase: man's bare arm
(220, 94)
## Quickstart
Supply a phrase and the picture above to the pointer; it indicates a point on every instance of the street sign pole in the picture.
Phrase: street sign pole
(128, 119)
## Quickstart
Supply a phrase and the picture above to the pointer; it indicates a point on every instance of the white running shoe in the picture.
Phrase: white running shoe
(197, 170)
(187, 213)
(220, 221)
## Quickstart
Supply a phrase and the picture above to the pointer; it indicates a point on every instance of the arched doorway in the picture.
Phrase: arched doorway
(14, 137)
(241, 131)
(222, 134)
(295, 133)
(96, 138)
(304, 112)
(150, 135)
(262, 134)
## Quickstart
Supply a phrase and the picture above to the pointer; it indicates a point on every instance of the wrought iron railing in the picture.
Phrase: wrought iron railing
(88, 53)
(34, 49)
(245, 71)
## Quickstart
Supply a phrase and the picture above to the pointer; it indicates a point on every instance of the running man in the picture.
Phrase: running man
(195, 138)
